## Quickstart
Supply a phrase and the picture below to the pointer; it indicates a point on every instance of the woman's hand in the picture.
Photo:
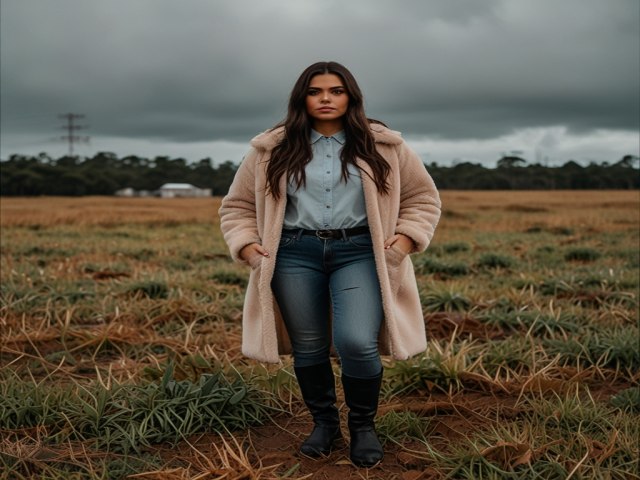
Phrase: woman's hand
(252, 249)
(401, 241)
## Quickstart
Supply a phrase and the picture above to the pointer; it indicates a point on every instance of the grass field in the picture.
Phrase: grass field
(120, 347)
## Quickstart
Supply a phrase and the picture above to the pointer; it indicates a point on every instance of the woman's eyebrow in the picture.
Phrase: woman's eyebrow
(328, 88)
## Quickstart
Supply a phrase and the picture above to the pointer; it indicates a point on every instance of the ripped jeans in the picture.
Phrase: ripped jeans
(318, 279)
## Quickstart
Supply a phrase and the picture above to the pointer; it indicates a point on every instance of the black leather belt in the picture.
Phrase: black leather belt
(329, 234)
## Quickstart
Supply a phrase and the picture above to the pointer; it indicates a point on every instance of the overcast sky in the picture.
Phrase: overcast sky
(463, 80)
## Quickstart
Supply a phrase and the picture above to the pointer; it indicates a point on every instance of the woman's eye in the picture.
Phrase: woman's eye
(312, 92)
(338, 91)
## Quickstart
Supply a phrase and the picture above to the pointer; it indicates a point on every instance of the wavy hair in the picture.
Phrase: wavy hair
(293, 153)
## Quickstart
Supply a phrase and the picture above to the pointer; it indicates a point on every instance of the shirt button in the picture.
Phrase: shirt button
(328, 206)
(328, 171)
(327, 190)
(328, 156)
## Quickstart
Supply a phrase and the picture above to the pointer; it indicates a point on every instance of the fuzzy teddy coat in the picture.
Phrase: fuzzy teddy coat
(412, 207)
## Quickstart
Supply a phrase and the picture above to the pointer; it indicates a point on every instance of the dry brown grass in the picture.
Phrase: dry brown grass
(598, 209)
(105, 211)
(493, 211)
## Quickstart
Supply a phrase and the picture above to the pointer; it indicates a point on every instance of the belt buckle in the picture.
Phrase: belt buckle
(324, 234)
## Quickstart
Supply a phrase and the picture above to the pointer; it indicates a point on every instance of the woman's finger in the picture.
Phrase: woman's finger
(390, 241)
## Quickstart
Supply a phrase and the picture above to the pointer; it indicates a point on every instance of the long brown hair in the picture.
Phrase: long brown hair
(292, 154)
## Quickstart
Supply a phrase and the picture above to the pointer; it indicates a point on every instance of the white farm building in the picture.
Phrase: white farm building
(173, 190)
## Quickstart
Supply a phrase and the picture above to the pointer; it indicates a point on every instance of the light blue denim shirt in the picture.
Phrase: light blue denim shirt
(327, 201)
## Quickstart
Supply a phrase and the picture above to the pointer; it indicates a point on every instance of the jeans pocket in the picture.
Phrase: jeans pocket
(361, 241)
(286, 240)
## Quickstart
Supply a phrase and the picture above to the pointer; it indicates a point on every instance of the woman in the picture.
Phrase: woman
(326, 208)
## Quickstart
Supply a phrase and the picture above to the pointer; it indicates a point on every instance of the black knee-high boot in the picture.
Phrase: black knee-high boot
(317, 385)
(361, 396)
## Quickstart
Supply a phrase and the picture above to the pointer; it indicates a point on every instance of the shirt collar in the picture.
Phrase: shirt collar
(338, 137)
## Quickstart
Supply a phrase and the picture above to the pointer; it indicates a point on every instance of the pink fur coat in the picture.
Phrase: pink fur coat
(412, 208)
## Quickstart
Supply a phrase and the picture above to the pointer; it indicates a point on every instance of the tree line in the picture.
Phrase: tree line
(105, 173)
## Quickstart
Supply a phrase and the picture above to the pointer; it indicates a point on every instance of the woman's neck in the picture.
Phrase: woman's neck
(328, 128)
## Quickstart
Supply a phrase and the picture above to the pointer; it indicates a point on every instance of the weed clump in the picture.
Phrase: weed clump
(628, 399)
(561, 231)
(431, 265)
(143, 254)
(441, 368)
(456, 247)
(511, 353)
(535, 322)
(126, 418)
(493, 260)
(400, 426)
(607, 347)
(446, 300)
(149, 289)
(229, 278)
(581, 255)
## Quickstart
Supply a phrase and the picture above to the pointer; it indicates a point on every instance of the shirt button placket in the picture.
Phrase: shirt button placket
(328, 182)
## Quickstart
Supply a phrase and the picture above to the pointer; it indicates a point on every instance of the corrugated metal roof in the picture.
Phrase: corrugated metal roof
(178, 186)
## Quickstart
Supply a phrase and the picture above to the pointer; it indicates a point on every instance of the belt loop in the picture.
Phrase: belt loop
(344, 234)
(299, 234)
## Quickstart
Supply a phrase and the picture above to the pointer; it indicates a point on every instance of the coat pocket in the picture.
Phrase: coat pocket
(255, 261)
(394, 258)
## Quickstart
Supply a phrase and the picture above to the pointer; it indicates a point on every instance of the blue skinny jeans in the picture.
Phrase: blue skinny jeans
(316, 279)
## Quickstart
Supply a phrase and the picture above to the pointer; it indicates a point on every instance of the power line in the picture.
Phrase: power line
(71, 128)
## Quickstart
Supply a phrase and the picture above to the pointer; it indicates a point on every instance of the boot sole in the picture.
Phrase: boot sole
(365, 464)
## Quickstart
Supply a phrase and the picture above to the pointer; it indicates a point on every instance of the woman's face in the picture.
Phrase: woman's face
(327, 99)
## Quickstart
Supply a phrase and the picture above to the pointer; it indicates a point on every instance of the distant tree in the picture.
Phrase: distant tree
(70, 183)
(22, 182)
(510, 161)
(68, 161)
(223, 176)
(43, 157)
(489, 181)
(104, 173)
(572, 165)
(134, 161)
(205, 163)
(629, 161)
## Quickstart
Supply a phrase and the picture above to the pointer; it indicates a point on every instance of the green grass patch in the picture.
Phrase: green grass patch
(494, 260)
(582, 254)
(614, 347)
(628, 400)
(446, 299)
(148, 289)
(397, 427)
(429, 265)
(128, 417)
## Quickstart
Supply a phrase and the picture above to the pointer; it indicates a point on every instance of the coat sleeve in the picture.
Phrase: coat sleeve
(419, 199)
(238, 220)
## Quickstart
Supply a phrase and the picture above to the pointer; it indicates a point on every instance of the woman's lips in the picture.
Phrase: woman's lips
(326, 109)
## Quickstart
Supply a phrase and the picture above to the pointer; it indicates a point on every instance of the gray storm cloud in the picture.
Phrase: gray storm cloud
(212, 70)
